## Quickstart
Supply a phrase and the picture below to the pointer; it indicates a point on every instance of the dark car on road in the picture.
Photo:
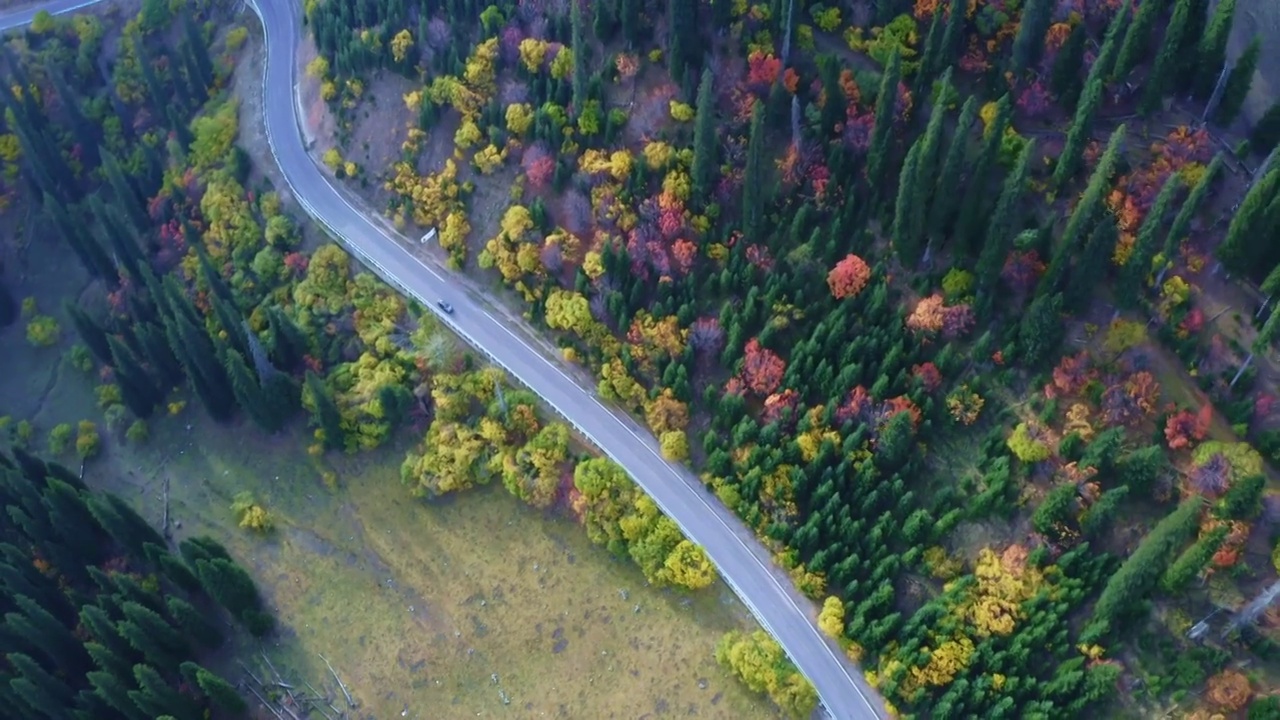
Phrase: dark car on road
(446, 307)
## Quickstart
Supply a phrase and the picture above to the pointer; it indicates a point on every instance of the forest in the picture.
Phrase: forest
(100, 620)
(921, 288)
(924, 290)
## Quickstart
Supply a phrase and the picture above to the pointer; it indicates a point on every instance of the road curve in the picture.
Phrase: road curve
(742, 560)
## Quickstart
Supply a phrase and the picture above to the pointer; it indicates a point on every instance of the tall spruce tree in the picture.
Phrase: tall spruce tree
(1211, 54)
(1133, 277)
(1090, 265)
(124, 193)
(945, 196)
(1085, 213)
(704, 139)
(286, 342)
(973, 209)
(929, 60)
(578, 42)
(886, 102)
(1029, 42)
(136, 389)
(754, 192)
(1239, 81)
(1082, 123)
(1245, 242)
(1167, 60)
(1001, 229)
(954, 33)
(904, 240)
(1182, 221)
(1064, 77)
(93, 334)
(1137, 40)
(1193, 560)
(82, 242)
(324, 412)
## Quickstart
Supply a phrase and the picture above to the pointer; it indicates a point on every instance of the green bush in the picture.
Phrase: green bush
(58, 438)
(88, 442)
(138, 432)
(81, 358)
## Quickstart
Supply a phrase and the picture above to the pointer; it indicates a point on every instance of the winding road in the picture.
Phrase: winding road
(741, 559)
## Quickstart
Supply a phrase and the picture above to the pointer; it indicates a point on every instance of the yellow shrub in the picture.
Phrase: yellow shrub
(681, 112)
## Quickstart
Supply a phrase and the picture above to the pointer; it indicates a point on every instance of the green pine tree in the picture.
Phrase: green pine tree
(115, 693)
(1162, 73)
(156, 697)
(44, 694)
(220, 692)
(286, 343)
(1091, 265)
(579, 45)
(1182, 221)
(886, 102)
(904, 241)
(93, 334)
(1244, 245)
(1029, 42)
(1212, 50)
(1082, 124)
(1137, 39)
(1243, 500)
(973, 209)
(1239, 81)
(754, 180)
(139, 395)
(1085, 212)
(1064, 77)
(1002, 228)
(1041, 330)
(229, 584)
(1193, 560)
(1133, 277)
(193, 622)
(704, 139)
(1266, 134)
(945, 196)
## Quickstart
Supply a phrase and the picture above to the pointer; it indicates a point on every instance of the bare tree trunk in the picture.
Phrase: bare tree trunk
(1247, 362)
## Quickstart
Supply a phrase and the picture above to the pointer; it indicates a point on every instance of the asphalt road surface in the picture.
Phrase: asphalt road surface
(741, 559)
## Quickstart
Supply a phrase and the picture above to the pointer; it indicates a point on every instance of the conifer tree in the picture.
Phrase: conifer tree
(247, 391)
(124, 193)
(286, 343)
(199, 51)
(220, 692)
(1167, 61)
(579, 45)
(43, 693)
(1137, 39)
(93, 335)
(1064, 77)
(927, 162)
(193, 622)
(1002, 228)
(1041, 329)
(954, 33)
(1239, 81)
(629, 19)
(1211, 54)
(1243, 247)
(1193, 560)
(103, 630)
(86, 247)
(1091, 264)
(942, 209)
(1133, 278)
(106, 660)
(682, 37)
(1090, 98)
(905, 243)
(136, 390)
(69, 514)
(1182, 221)
(127, 253)
(1143, 568)
(886, 101)
(160, 355)
(704, 139)
(753, 182)
(151, 635)
(973, 209)
(81, 128)
(1085, 212)
(115, 693)
(929, 59)
(45, 633)
(1029, 42)
(1243, 500)
(325, 415)
(157, 697)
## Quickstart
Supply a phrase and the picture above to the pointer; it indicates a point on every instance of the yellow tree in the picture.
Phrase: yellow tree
(831, 619)
(665, 413)
(688, 566)
(401, 44)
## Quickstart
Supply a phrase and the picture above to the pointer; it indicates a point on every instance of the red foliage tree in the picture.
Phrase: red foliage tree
(762, 369)
(854, 406)
(776, 405)
(762, 71)
(1128, 402)
(957, 320)
(683, 253)
(1184, 428)
(928, 375)
(1022, 270)
(900, 404)
(759, 256)
(1070, 376)
(848, 277)
(539, 166)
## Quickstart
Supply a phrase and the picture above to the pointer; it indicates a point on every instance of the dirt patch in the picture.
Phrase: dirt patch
(319, 127)
(380, 121)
